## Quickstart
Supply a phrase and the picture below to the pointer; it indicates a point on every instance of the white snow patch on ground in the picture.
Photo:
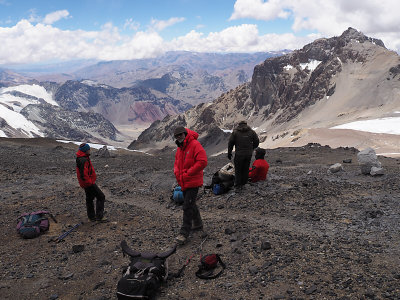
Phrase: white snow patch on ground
(311, 65)
(226, 130)
(92, 145)
(2, 134)
(384, 125)
(99, 146)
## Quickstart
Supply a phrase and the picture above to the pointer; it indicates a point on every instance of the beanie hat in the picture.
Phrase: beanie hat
(84, 147)
(179, 130)
(260, 153)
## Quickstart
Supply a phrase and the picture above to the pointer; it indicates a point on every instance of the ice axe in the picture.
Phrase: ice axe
(62, 236)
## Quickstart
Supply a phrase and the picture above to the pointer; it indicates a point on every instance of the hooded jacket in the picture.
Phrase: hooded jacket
(84, 170)
(190, 160)
(259, 170)
(244, 139)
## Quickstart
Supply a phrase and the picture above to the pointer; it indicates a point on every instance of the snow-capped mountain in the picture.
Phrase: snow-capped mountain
(329, 82)
(31, 111)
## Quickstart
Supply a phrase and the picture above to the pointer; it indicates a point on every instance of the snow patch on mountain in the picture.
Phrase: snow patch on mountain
(18, 121)
(311, 65)
(390, 125)
(32, 90)
(13, 99)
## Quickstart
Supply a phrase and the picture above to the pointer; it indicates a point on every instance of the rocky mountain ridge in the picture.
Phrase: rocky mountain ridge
(328, 82)
(120, 106)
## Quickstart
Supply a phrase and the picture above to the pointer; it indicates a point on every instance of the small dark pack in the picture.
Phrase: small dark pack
(143, 277)
(31, 225)
(208, 265)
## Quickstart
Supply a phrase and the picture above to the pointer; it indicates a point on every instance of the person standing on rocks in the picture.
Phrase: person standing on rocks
(245, 140)
(190, 160)
(259, 169)
(87, 180)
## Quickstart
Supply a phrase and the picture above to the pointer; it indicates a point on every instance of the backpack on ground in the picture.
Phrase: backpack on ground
(143, 277)
(31, 225)
(223, 179)
(177, 195)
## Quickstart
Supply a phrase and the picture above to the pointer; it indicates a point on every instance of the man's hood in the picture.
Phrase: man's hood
(243, 127)
(191, 134)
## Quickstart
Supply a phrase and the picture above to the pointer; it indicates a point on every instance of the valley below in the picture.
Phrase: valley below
(302, 234)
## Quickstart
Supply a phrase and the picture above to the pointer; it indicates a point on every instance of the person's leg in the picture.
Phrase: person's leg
(197, 222)
(89, 203)
(237, 161)
(100, 198)
(245, 169)
(189, 202)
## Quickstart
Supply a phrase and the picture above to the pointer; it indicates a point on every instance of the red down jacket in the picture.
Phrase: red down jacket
(190, 160)
(84, 170)
(259, 170)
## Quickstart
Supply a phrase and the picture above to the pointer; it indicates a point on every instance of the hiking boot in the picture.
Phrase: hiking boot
(181, 239)
(102, 220)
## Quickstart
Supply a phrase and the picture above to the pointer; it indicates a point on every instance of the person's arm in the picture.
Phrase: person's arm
(200, 158)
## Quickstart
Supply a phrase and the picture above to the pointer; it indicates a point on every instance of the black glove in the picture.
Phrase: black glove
(229, 156)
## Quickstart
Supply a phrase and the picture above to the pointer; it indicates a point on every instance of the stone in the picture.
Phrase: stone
(367, 159)
(335, 168)
(78, 248)
(265, 245)
(377, 171)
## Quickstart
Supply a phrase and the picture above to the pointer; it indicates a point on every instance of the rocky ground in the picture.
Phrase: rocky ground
(303, 234)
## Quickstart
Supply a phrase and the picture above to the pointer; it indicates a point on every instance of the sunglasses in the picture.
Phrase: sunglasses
(178, 135)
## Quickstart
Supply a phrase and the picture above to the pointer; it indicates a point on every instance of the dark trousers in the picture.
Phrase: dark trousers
(242, 164)
(191, 213)
(91, 193)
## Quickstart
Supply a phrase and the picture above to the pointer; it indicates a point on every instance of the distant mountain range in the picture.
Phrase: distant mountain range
(131, 93)
(326, 83)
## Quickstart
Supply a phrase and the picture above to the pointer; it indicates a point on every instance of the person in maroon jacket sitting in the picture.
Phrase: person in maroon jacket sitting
(87, 180)
(259, 169)
(190, 160)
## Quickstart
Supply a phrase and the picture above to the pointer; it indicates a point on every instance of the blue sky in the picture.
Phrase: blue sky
(59, 30)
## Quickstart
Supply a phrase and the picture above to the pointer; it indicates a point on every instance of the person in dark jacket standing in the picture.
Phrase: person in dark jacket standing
(260, 167)
(190, 160)
(87, 180)
(245, 140)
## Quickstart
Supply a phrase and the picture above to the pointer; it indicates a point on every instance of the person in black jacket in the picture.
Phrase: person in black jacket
(245, 140)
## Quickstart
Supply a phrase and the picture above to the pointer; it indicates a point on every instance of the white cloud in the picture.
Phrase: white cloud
(243, 38)
(260, 10)
(160, 25)
(131, 24)
(375, 18)
(55, 16)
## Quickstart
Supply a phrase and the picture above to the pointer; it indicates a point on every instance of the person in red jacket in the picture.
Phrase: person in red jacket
(259, 169)
(87, 180)
(190, 160)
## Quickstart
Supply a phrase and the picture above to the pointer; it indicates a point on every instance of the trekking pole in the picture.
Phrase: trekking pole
(62, 236)
(190, 258)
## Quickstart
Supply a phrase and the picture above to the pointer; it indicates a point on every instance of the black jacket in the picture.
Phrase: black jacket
(244, 139)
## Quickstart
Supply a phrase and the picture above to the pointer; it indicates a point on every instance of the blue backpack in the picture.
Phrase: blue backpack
(177, 195)
(218, 189)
